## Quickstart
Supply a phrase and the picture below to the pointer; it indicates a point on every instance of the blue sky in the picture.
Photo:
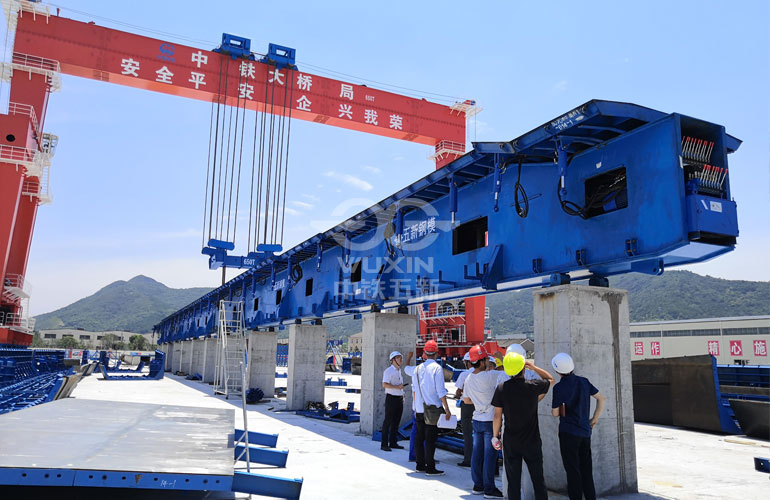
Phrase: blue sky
(128, 176)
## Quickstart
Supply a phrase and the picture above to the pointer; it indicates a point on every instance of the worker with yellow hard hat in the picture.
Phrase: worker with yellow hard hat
(516, 400)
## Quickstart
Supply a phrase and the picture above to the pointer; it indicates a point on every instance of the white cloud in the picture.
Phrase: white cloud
(311, 197)
(302, 204)
(371, 169)
(399, 158)
(560, 86)
(350, 180)
(291, 211)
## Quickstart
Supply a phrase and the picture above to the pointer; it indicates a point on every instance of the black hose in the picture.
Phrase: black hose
(296, 273)
(522, 209)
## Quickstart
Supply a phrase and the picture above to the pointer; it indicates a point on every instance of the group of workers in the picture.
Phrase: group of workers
(499, 397)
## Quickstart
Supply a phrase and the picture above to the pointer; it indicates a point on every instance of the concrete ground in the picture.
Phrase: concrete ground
(336, 462)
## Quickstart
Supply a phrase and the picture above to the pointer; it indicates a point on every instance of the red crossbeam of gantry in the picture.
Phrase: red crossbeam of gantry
(99, 53)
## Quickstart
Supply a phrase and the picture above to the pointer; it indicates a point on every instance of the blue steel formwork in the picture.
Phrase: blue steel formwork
(458, 231)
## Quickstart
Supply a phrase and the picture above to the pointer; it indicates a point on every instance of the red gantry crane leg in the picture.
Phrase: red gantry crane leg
(46, 45)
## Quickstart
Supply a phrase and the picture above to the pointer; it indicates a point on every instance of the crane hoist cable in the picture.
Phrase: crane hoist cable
(269, 142)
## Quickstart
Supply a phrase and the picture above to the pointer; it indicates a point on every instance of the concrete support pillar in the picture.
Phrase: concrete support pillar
(591, 325)
(262, 350)
(196, 365)
(176, 363)
(307, 358)
(187, 351)
(167, 348)
(209, 360)
(383, 333)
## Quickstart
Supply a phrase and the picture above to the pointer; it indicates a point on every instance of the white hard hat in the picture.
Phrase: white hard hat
(563, 363)
(518, 349)
(394, 354)
(467, 356)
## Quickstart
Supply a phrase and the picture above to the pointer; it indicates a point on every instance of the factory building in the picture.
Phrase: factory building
(89, 339)
(739, 340)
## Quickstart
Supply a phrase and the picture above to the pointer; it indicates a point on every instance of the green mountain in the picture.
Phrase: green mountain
(133, 306)
(674, 295)
(136, 305)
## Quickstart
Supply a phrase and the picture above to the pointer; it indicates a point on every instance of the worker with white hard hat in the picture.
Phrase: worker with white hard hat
(466, 413)
(572, 403)
(517, 400)
(393, 382)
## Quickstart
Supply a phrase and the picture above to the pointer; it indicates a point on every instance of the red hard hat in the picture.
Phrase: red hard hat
(431, 346)
(478, 352)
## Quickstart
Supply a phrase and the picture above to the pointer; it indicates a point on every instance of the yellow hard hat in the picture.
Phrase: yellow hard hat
(513, 363)
(498, 363)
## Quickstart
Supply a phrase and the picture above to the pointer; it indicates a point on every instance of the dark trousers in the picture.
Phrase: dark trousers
(532, 454)
(425, 444)
(576, 456)
(394, 406)
(466, 420)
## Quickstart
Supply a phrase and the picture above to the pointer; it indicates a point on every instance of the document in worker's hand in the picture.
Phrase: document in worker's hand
(443, 423)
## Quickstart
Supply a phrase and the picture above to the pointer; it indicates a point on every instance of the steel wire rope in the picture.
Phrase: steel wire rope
(230, 166)
(240, 162)
(222, 102)
(216, 139)
(270, 155)
(232, 170)
(208, 172)
(260, 183)
(251, 191)
(279, 157)
(286, 174)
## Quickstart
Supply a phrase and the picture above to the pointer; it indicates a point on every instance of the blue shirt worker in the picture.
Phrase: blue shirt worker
(479, 389)
(572, 403)
(393, 382)
(517, 400)
(466, 413)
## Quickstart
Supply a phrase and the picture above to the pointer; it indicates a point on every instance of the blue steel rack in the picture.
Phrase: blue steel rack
(459, 231)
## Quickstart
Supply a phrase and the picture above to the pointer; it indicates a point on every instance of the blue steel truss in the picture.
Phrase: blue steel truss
(459, 231)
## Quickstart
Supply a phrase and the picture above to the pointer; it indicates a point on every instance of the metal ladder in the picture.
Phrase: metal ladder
(231, 347)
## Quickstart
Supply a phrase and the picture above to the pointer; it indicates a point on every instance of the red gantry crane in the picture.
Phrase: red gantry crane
(46, 46)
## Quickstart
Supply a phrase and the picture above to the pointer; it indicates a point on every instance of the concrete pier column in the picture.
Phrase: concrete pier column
(591, 325)
(176, 358)
(209, 360)
(262, 351)
(168, 349)
(383, 333)
(187, 351)
(196, 365)
(307, 358)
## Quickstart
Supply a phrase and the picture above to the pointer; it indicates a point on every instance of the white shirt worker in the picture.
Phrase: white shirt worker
(431, 381)
(392, 375)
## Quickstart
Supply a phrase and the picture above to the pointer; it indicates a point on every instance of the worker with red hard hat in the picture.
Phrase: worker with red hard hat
(478, 390)
(431, 393)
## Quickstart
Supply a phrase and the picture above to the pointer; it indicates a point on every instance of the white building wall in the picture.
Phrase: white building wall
(728, 339)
